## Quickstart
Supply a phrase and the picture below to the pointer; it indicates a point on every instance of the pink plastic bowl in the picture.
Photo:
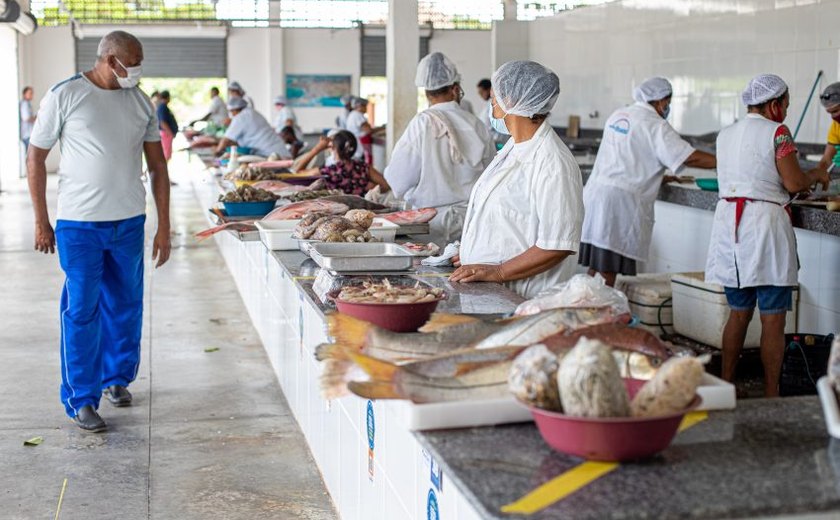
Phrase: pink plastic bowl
(396, 317)
(610, 439)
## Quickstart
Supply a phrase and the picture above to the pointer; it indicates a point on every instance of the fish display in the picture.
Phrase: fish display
(247, 193)
(290, 212)
(309, 194)
(385, 292)
(415, 216)
(351, 227)
(355, 202)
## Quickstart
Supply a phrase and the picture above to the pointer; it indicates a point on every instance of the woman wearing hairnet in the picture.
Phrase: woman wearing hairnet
(830, 100)
(752, 252)
(638, 145)
(525, 212)
(442, 152)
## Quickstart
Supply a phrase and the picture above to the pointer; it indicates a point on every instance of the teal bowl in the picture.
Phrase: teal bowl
(249, 209)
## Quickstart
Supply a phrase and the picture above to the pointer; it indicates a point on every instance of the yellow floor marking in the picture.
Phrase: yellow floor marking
(576, 478)
(299, 278)
(60, 499)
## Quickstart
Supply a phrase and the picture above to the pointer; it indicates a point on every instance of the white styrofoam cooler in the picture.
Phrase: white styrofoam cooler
(649, 297)
(701, 311)
(277, 234)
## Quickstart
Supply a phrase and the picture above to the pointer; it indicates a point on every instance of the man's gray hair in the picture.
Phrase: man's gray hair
(116, 42)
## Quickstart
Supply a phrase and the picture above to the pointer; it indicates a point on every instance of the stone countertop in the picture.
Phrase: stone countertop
(768, 457)
(804, 217)
(477, 298)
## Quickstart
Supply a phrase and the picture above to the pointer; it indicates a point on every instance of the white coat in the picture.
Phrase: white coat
(283, 115)
(530, 195)
(637, 146)
(355, 120)
(764, 252)
(436, 162)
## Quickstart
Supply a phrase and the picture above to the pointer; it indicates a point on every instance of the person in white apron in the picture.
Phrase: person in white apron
(752, 252)
(525, 212)
(442, 152)
(637, 146)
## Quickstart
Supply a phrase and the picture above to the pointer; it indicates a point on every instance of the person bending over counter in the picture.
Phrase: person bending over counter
(249, 128)
(442, 152)
(637, 146)
(830, 100)
(525, 212)
(752, 252)
(345, 172)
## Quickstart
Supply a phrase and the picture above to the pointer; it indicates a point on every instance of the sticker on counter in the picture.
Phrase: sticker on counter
(371, 433)
(432, 510)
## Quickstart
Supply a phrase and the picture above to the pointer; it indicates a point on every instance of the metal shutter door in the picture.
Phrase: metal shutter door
(169, 57)
(373, 54)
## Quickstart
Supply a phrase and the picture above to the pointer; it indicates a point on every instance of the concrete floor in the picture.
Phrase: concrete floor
(210, 435)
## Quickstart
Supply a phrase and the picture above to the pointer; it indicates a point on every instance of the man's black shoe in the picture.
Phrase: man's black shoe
(88, 420)
(118, 395)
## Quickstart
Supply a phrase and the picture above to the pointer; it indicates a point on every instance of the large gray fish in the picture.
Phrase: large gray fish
(353, 335)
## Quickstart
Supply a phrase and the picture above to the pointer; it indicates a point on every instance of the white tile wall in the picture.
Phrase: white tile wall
(708, 48)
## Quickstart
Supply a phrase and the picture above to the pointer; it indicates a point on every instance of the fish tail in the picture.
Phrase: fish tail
(327, 351)
(334, 378)
(376, 369)
(440, 321)
(374, 389)
(348, 331)
(207, 233)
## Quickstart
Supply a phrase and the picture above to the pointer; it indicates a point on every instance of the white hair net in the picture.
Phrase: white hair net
(358, 102)
(346, 99)
(280, 100)
(652, 89)
(763, 87)
(436, 71)
(525, 88)
(831, 95)
(234, 85)
(236, 103)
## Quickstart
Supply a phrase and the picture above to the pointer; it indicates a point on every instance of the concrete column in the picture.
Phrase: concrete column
(275, 65)
(510, 9)
(402, 39)
(509, 41)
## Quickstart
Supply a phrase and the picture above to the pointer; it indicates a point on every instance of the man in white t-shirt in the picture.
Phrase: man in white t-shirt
(104, 124)
(217, 113)
(248, 128)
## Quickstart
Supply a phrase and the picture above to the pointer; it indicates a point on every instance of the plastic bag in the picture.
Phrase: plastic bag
(533, 378)
(580, 291)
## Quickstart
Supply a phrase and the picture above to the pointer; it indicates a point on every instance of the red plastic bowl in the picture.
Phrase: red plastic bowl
(610, 439)
(396, 317)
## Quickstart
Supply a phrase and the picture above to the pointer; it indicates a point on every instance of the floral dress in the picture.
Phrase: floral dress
(350, 177)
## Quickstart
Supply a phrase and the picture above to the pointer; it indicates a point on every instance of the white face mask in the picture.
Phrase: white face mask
(133, 77)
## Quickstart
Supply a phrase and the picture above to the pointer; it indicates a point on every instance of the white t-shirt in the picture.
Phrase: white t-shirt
(26, 114)
(218, 111)
(249, 128)
(355, 120)
(101, 134)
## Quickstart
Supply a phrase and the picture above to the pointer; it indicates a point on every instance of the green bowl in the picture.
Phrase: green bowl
(707, 184)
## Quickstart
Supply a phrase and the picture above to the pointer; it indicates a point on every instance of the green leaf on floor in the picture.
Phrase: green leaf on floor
(34, 441)
(211, 349)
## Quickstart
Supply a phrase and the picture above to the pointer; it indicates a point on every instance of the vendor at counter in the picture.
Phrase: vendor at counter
(830, 100)
(344, 172)
(442, 152)
(637, 146)
(525, 212)
(752, 252)
(249, 128)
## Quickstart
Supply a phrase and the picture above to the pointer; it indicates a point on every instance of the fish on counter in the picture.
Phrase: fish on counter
(415, 216)
(292, 211)
(385, 292)
(355, 202)
(308, 194)
(351, 227)
(247, 193)
(360, 336)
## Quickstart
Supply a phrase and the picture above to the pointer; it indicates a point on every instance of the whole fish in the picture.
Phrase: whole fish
(355, 202)
(414, 216)
(466, 374)
(359, 336)
(290, 212)
(617, 336)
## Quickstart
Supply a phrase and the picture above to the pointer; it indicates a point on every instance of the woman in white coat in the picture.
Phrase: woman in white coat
(442, 152)
(525, 212)
(638, 145)
(752, 252)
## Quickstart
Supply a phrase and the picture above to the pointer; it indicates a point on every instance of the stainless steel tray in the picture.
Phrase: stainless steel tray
(361, 257)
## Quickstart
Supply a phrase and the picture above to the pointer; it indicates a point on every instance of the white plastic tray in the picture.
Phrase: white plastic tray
(277, 234)
(717, 394)
(831, 410)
